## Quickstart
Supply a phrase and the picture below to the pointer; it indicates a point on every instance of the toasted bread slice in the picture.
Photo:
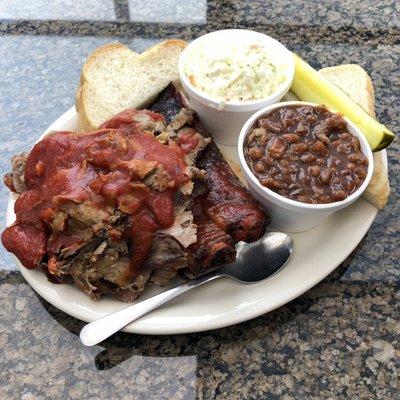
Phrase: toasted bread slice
(114, 78)
(355, 81)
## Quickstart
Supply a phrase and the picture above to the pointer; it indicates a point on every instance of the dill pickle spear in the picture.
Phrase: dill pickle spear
(309, 85)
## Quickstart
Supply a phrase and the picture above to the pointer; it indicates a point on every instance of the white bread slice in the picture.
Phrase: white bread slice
(104, 59)
(114, 78)
(355, 81)
(100, 64)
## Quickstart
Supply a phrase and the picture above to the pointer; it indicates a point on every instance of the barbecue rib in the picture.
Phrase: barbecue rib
(227, 203)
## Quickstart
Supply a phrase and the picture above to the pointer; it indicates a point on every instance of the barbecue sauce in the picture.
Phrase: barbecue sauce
(105, 170)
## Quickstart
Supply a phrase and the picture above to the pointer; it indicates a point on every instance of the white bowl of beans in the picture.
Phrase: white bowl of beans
(303, 162)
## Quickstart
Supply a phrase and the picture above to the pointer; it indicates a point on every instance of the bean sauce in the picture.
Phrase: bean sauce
(305, 153)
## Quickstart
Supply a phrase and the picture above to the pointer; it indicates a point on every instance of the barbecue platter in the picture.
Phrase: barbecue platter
(143, 183)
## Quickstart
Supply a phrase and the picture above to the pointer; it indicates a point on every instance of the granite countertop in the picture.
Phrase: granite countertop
(339, 340)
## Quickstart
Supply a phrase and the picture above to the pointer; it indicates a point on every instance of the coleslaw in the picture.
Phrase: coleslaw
(234, 72)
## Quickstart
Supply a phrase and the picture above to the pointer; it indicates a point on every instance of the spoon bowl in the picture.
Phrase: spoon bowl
(261, 259)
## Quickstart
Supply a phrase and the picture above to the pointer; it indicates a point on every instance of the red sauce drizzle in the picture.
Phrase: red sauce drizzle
(94, 168)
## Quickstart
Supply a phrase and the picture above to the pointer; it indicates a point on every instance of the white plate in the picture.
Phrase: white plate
(223, 302)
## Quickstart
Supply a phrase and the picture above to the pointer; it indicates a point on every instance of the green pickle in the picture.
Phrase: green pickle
(309, 85)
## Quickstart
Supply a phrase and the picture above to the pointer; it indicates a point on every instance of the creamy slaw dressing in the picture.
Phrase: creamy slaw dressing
(234, 72)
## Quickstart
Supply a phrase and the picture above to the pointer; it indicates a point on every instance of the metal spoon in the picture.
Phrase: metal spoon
(254, 262)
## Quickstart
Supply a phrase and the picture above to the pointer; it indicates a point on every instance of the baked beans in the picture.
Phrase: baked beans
(305, 153)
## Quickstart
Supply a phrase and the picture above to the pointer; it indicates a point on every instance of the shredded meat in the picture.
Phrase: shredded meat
(159, 180)
(146, 196)
(141, 120)
(184, 230)
(137, 168)
(184, 117)
(15, 180)
(165, 259)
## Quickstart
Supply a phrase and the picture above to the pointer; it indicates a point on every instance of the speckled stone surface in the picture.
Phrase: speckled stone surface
(189, 11)
(340, 340)
(101, 10)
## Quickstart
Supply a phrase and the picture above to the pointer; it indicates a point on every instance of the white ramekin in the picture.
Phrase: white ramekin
(225, 125)
(290, 215)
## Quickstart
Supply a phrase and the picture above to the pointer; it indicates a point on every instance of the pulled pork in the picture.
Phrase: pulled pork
(136, 202)
(87, 238)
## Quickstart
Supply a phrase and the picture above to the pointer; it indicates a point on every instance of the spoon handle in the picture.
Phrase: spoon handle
(104, 327)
